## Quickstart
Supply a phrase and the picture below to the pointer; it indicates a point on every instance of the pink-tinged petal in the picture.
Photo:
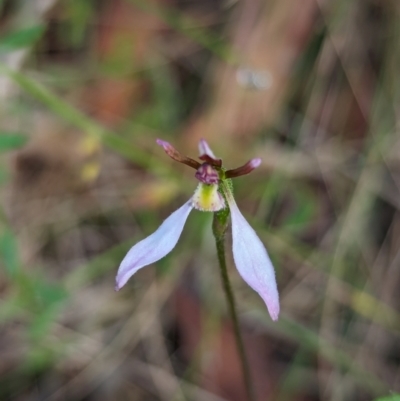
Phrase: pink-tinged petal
(252, 260)
(204, 149)
(166, 145)
(155, 246)
(254, 163)
(207, 155)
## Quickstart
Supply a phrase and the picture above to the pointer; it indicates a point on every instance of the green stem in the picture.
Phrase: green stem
(219, 229)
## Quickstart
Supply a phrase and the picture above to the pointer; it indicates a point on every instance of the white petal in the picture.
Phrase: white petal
(252, 260)
(155, 246)
(204, 149)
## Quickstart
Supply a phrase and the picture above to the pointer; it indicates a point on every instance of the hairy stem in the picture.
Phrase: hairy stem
(219, 229)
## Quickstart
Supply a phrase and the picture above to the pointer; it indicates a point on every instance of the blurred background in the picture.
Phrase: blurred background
(87, 86)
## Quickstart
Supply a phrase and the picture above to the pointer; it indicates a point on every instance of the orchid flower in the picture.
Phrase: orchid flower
(213, 194)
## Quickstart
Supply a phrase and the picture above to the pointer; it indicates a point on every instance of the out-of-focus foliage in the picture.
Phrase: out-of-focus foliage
(393, 397)
(21, 38)
(87, 86)
(11, 141)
